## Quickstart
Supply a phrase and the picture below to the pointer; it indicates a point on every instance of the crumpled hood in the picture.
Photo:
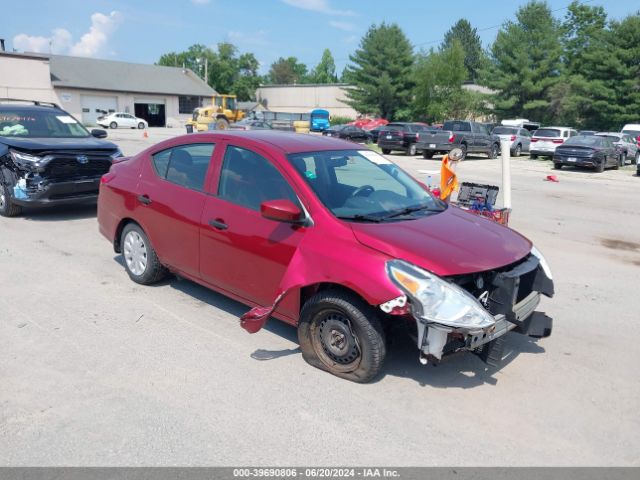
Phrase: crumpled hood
(449, 243)
(43, 144)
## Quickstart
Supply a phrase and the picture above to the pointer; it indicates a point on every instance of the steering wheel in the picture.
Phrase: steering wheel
(362, 189)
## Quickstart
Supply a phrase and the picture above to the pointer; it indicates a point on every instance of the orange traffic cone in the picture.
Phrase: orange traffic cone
(145, 134)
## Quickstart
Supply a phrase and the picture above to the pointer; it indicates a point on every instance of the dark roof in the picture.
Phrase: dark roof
(109, 75)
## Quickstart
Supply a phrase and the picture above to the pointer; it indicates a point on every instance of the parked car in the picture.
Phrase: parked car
(519, 138)
(632, 129)
(319, 120)
(48, 158)
(121, 120)
(593, 151)
(327, 236)
(544, 141)
(249, 124)
(586, 133)
(400, 136)
(375, 132)
(470, 137)
(348, 132)
(626, 145)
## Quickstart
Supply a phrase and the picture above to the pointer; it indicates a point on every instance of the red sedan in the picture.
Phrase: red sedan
(327, 236)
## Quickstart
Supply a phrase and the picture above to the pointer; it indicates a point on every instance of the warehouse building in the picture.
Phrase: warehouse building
(306, 97)
(89, 87)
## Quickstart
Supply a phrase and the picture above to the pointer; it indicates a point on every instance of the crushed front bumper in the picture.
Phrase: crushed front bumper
(512, 299)
(61, 193)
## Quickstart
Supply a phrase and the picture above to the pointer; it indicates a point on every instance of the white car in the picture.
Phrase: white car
(121, 120)
(545, 140)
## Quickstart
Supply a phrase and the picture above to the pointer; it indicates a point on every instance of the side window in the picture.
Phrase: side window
(248, 179)
(185, 165)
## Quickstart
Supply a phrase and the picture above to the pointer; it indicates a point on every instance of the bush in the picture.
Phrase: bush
(336, 120)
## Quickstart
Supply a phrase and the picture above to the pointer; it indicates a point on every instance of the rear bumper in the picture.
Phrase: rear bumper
(435, 147)
(587, 162)
(390, 145)
(541, 152)
(62, 193)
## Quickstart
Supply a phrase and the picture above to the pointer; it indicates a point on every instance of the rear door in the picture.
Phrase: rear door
(241, 251)
(170, 203)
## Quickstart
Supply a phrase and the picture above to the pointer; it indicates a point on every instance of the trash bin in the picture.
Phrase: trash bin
(189, 128)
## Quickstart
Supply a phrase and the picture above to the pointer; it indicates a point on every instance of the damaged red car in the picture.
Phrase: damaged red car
(329, 237)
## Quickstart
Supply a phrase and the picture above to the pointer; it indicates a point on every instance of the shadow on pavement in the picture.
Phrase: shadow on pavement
(61, 213)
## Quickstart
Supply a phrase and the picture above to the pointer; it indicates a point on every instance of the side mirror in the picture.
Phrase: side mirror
(99, 133)
(281, 211)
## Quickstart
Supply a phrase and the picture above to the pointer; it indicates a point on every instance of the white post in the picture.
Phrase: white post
(505, 148)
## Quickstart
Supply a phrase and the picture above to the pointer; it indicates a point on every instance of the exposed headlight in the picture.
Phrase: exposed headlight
(543, 262)
(24, 158)
(437, 300)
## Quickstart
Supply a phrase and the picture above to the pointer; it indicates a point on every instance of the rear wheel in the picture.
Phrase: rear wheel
(140, 126)
(533, 156)
(427, 155)
(411, 150)
(7, 207)
(600, 166)
(463, 147)
(386, 151)
(623, 159)
(637, 159)
(113, 125)
(557, 166)
(495, 151)
(222, 124)
(340, 333)
(518, 151)
(140, 259)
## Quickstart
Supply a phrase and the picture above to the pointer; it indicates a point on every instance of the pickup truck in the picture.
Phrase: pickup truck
(471, 137)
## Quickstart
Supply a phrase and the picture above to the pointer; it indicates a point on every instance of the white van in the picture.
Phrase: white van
(545, 140)
(632, 129)
(521, 123)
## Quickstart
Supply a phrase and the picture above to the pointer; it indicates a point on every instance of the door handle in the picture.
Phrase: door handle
(144, 199)
(220, 225)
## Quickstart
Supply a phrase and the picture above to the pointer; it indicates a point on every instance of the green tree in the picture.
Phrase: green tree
(474, 56)
(525, 64)
(325, 71)
(439, 92)
(248, 79)
(285, 71)
(380, 72)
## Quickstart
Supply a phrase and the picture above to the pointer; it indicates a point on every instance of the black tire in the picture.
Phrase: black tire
(494, 152)
(7, 207)
(411, 150)
(386, 151)
(557, 166)
(113, 125)
(427, 155)
(533, 156)
(637, 159)
(601, 165)
(518, 151)
(154, 271)
(623, 159)
(348, 320)
(222, 124)
(140, 126)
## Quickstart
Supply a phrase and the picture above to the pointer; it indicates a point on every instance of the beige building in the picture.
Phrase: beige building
(89, 87)
(306, 97)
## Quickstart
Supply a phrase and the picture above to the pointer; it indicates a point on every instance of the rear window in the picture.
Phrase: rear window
(394, 128)
(589, 141)
(505, 131)
(457, 126)
(547, 132)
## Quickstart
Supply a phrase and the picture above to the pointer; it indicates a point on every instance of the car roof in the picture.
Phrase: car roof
(286, 142)
(21, 107)
(613, 134)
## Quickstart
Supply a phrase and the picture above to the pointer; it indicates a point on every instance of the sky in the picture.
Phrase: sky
(142, 30)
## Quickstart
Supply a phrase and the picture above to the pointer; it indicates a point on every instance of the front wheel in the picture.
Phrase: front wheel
(7, 207)
(533, 156)
(140, 126)
(386, 151)
(495, 151)
(600, 166)
(557, 166)
(427, 155)
(339, 333)
(222, 124)
(140, 259)
(113, 125)
(518, 151)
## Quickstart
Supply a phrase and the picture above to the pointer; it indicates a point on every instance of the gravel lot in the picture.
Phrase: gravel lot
(98, 371)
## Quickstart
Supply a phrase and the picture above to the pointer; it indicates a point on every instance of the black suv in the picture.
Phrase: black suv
(400, 136)
(47, 157)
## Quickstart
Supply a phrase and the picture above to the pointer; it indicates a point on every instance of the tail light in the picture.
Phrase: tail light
(513, 138)
(401, 133)
(638, 139)
(452, 138)
(107, 177)
(557, 140)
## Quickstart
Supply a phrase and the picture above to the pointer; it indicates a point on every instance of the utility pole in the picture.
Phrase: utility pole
(206, 70)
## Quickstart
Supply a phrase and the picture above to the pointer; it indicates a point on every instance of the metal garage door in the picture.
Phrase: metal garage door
(93, 106)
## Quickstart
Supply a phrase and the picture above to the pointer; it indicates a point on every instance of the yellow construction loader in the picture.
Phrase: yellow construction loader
(222, 111)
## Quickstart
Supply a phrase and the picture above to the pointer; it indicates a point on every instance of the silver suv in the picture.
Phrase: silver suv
(625, 144)
(519, 138)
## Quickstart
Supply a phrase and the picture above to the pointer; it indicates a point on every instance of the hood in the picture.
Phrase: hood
(44, 144)
(449, 243)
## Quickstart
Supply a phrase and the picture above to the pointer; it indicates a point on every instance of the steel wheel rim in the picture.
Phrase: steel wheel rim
(336, 344)
(135, 253)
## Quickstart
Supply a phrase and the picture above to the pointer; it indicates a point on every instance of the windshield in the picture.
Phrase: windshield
(505, 131)
(588, 140)
(361, 185)
(319, 115)
(39, 124)
(547, 132)
(635, 133)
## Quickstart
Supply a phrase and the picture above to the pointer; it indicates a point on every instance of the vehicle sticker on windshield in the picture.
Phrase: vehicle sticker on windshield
(66, 119)
(374, 157)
